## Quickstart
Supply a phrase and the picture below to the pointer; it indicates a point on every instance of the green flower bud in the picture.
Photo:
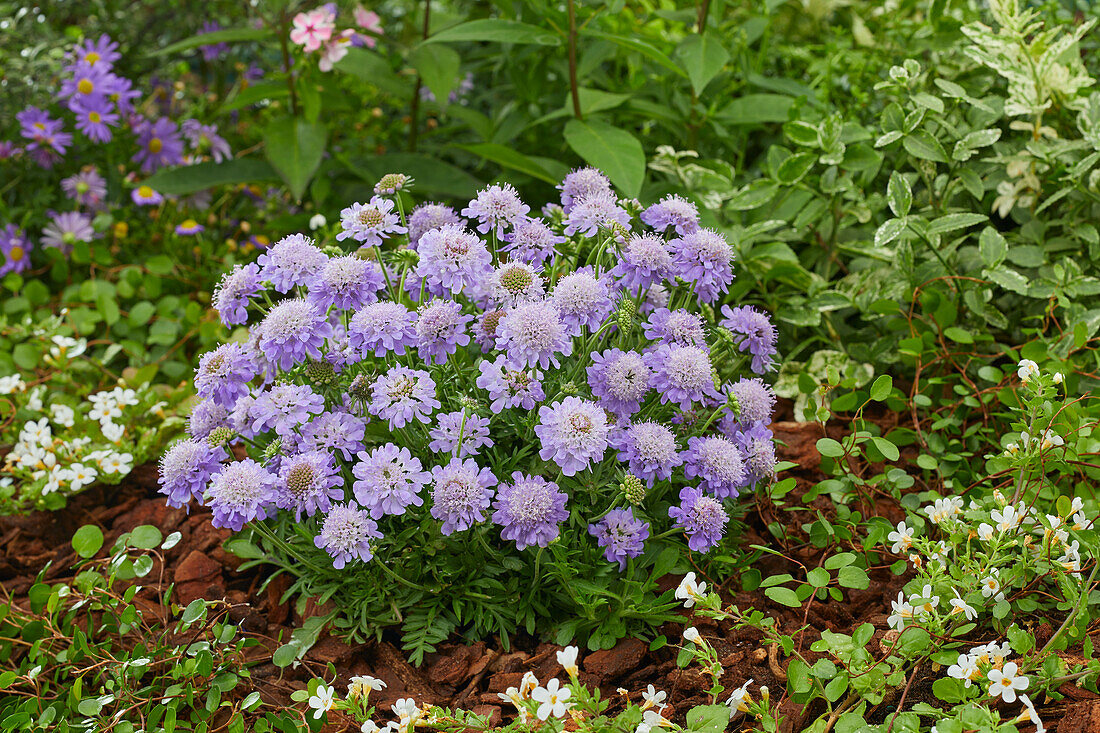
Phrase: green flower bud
(273, 449)
(633, 489)
(624, 317)
(320, 373)
(220, 436)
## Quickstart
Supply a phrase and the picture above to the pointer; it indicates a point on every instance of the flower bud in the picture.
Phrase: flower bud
(569, 388)
(320, 373)
(625, 315)
(273, 449)
(360, 387)
(317, 221)
(633, 488)
(220, 436)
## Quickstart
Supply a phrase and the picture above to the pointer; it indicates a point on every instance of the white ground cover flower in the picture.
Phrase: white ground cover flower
(689, 591)
(1005, 682)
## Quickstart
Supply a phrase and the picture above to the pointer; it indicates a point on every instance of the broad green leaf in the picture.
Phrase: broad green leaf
(703, 57)
(708, 718)
(87, 540)
(188, 179)
(818, 577)
(508, 158)
(880, 390)
(497, 30)
(229, 35)
(886, 448)
(294, 148)
(145, 537)
(754, 109)
(964, 148)
(786, 596)
(899, 195)
(254, 93)
(922, 145)
(792, 169)
(438, 67)
(374, 69)
(616, 152)
(951, 222)
(830, 448)
(890, 230)
(992, 246)
(648, 50)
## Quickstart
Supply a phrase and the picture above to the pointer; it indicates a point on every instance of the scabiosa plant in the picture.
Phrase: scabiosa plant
(581, 184)
(649, 450)
(461, 433)
(292, 331)
(293, 260)
(584, 300)
(620, 380)
(676, 327)
(718, 463)
(346, 283)
(704, 258)
(389, 479)
(452, 258)
(754, 333)
(646, 261)
(241, 492)
(529, 510)
(429, 216)
(573, 433)
(531, 240)
(702, 517)
(186, 469)
(402, 395)
(682, 374)
(382, 327)
(534, 334)
(308, 483)
(672, 212)
(621, 535)
(496, 208)
(461, 492)
(370, 223)
(234, 292)
(346, 535)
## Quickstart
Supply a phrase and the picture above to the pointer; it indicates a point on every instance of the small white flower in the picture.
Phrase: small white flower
(902, 613)
(1071, 559)
(965, 669)
(926, 602)
(1005, 682)
(121, 463)
(692, 634)
(322, 701)
(11, 384)
(552, 699)
(317, 221)
(1027, 370)
(902, 538)
(1030, 715)
(985, 531)
(34, 402)
(112, 431)
(406, 709)
(362, 685)
(1058, 378)
(1050, 440)
(958, 605)
(567, 658)
(1007, 519)
(369, 727)
(652, 719)
(689, 591)
(991, 586)
(80, 475)
(63, 415)
(528, 684)
(653, 698)
(740, 698)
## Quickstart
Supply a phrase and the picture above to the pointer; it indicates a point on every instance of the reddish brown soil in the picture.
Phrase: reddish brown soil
(470, 676)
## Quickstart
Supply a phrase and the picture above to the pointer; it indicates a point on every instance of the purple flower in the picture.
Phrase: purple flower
(676, 327)
(754, 333)
(205, 139)
(370, 223)
(402, 395)
(212, 51)
(595, 212)
(759, 449)
(333, 431)
(102, 50)
(242, 492)
(308, 483)
(346, 534)
(508, 386)
(717, 462)
(146, 196)
(485, 330)
(532, 334)
(284, 407)
(620, 380)
(529, 510)
(649, 449)
(86, 82)
(189, 227)
(672, 212)
(701, 517)
(531, 241)
(206, 417)
(159, 144)
(347, 283)
(293, 260)
(224, 373)
(572, 433)
(382, 327)
(234, 292)
(704, 258)
(496, 208)
(389, 480)
(621, 535)
(682, 374)
(462, 431)
(16, 249)
(452, 258)
(583, 299)
(440, 330)
(657, 296)
(185, 470)
(513, 283)
(94, 118)
(428, 216)
(66, 229)
(48, 142)
(292, 332)
(645, 261)
(461, 492)
(581, 184)
(755, 402)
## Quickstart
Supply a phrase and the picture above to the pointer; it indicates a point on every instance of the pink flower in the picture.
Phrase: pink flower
(313, 28)
(368, 20)
(335, 49)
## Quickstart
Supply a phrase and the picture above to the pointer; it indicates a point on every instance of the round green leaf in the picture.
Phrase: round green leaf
(87, 540)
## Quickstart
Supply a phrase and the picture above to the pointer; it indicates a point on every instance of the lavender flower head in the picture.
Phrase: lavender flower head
(672, 212)
(185, 470)
(759, 449)
(676, 327)
(371, 222)
(754, 333)
(440, 330)
(485, 330)
(244, 491)
(682, 374)
(462, 431)
(16, 250)
(645, 261)
(389, 480)
(705, 258)
(223, 374)
(382, 327)
(533, 334)
(584, 300)
(333, 431)
(402, 395)
(293, 331)
(509, 386)
(755, 401)
(293, 260)
(234, 292)
(66, 229)
(582, 183)
(515, 282)
(347, 283)
(308, 483)
(205, 418)
(573, 433)
(593, 213)
(702, 517)
(346, 534)
(620, 380)
(496, 208)
(461, 492)
(428, 216)
(531, 241)
(621, 535)
(159, 144)
(529, 510)
(284, 407)
(718, 463)
(86, 188)
(212, 51)
(452, 258)
(649, 450)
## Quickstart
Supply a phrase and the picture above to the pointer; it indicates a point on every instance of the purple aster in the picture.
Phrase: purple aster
(676, 327)
(15, 248)
(759, 449)
(452, 258)
(440, 330)
(9, 150)
(672, 212)
(347, 283)
(205, 140)
(583, 299)
(308, 483)
(531, 241)
(485, 330)
(224, 373)
(508, 386)
(146, 196)
(293, 331)
(620, 380)
(189, 227)
(590, 214)
(284, 407)
(461, 492)
(186, 468)
(346, 534)
(102, 50)
(66, 229)
(755, 402)
(754, 333)
(621, 535)
(705, 258)
(529, 510)
(581, 184)
(242, 492)
(389, 480)
(402, 395)
(86, 188)
(462, 431)
(717, 462)
(496, 208)
(371, 222)
(428, 216)
(95, 118)
(205, 418)
(382, 327)
(48, 141)
(234, 292)
(533, 333)
(649, 449)
(212, 51)
(293, 260)
(86, 81)
(334, 431)
(701, 517)
(159, 144)
(644, 262)
(572, 433)
(123, 95)
(513, 283)
(682, 374)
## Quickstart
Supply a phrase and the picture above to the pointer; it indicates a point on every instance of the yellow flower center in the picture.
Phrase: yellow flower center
(145, 192)
(92, 58)
(155, 145)
(16, 253)
(85, 86)
(94, 117)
